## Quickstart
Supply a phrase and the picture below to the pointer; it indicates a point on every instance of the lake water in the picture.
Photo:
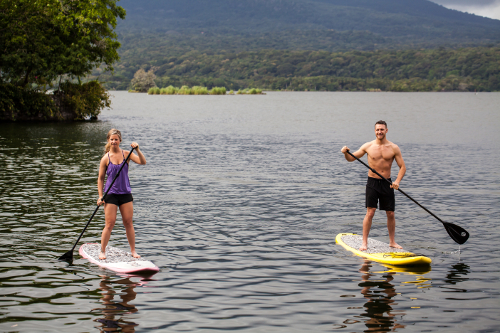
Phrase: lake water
(239, 205)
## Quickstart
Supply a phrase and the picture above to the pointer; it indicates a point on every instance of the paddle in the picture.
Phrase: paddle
(68, 256)
(458, 234)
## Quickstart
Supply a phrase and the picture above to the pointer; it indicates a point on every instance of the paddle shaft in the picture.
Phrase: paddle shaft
(97, 208)
(400, 190)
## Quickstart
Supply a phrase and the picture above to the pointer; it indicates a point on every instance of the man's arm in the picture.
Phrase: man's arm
(360, 153)
(402, 168)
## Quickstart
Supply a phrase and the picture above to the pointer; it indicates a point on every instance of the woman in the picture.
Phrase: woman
(120, 194)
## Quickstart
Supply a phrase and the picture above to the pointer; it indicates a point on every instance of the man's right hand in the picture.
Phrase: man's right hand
(344, 149)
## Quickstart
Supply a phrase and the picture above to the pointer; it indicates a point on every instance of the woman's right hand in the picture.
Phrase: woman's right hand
(100, 202)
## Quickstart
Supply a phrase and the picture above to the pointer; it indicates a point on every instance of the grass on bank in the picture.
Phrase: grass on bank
(198, 90)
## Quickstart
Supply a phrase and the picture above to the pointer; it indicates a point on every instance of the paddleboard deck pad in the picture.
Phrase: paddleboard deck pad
(380, 251)
(117, 260)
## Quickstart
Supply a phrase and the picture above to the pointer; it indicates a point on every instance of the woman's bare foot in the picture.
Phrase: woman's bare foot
(396, 246)
(135, 255)
(102, 255)
(363, 247)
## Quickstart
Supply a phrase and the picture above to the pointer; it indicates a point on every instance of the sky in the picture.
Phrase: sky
(487, 8)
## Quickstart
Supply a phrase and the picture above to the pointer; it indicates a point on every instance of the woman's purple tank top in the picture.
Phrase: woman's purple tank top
(122, 183)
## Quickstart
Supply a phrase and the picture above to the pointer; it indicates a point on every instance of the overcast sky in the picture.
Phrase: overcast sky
(488, 8)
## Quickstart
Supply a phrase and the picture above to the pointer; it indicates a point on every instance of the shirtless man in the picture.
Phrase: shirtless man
(381, 153)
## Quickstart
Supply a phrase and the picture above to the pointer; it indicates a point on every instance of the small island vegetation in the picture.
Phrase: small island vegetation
(198, 90)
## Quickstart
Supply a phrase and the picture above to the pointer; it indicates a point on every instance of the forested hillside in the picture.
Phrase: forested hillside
(307, 44)
(407, 70)
(404, 21)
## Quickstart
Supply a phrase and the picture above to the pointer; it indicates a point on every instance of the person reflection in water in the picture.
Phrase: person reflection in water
(120, 194)
(379, 303)
(114, 311)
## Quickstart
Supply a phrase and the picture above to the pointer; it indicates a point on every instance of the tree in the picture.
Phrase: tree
(143, 80)
(41, 40)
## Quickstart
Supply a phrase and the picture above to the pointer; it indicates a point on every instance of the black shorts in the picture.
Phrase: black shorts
(118, 199)
(380, 191)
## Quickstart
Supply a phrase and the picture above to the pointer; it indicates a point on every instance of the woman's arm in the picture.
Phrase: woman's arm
(139, 158)
(100, 179)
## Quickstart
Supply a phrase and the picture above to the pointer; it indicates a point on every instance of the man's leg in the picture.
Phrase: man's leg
(391, 227)
(367, 224)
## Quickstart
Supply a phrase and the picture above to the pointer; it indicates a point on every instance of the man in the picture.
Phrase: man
(381, 153)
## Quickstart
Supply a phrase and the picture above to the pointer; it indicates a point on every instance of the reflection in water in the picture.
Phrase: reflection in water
(380, 301)
(457, 273)
(380, 293)
(420, 281)
(115, 311)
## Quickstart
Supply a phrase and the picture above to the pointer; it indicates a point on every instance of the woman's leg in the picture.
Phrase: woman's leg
(110, 218)
(127, 211)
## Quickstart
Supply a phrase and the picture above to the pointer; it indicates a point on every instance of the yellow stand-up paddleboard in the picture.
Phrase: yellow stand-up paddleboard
(380, 251)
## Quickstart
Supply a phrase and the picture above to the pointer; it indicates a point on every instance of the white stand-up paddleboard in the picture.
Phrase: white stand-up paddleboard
(117, 260)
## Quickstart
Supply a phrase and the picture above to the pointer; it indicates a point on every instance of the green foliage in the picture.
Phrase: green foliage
(84, 100)
(154, 91)
(249, 91)
(72, 102)
(403, 70)
(43, 39)
(218, 91)
(184, 90)
(25, 104)
(170, 90)
(197, 90)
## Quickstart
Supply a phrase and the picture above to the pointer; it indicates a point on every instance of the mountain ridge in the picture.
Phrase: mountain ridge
(415, 19)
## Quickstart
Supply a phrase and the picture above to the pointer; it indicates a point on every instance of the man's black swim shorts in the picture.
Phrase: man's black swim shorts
(380, 191)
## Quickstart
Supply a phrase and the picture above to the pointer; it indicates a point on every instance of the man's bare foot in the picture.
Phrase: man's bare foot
(396, 246)
(102, 255)
(135, 255)
(363, 247)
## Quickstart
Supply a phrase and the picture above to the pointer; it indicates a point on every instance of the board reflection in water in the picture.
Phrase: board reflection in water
(117, 309)
(382, 308)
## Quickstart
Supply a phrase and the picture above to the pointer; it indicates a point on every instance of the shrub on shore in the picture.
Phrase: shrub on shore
(218, 91)
(154, 91)
(249, 91)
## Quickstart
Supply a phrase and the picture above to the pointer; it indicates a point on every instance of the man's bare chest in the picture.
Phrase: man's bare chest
(381, 154)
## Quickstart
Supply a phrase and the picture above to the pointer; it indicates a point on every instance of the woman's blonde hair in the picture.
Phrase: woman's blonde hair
(111, 132)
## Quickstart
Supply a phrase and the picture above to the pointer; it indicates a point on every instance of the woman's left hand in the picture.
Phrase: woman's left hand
(134, 145)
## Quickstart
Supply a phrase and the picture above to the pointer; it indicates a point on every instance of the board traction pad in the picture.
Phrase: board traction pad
(113, 254)
(116, 259)
(374, 246)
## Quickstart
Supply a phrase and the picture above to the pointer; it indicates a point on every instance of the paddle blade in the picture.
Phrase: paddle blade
(458, 234)
(68, 257)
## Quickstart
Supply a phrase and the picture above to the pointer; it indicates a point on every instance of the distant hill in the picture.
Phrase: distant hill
(401, 21)
(196, 42)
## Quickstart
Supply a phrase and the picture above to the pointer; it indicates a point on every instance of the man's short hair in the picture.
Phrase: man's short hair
(381, 122)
